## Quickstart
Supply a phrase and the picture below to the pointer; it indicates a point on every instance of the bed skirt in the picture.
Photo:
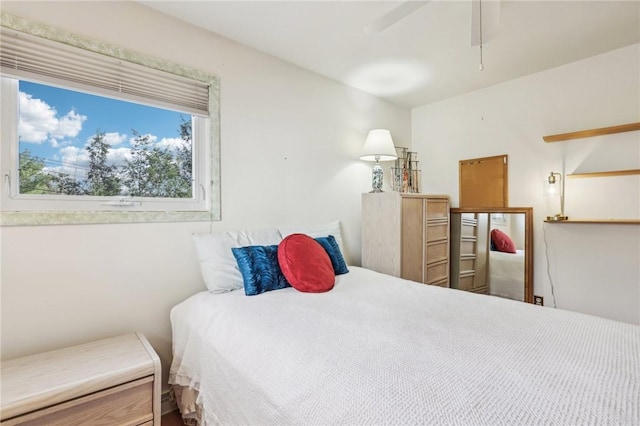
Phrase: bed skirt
(186, 398)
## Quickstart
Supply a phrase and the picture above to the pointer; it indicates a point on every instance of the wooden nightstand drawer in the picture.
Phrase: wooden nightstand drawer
(130, 404)
(113, 381)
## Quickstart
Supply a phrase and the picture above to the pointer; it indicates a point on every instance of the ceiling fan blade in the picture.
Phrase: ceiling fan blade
(490, 21)
(394, 16)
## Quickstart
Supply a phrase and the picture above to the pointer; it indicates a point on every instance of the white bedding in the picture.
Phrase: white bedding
(506, 274)
(385, 351)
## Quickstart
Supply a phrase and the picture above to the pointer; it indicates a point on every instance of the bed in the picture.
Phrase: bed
(380, 350)
(506, 274)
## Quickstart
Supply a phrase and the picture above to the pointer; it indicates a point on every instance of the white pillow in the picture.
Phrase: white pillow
(218, 266)
(315, 231)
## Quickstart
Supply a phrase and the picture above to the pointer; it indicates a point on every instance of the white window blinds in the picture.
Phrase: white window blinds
(35, 58)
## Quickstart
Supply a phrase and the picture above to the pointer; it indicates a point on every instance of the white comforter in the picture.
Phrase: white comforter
(385, 351)
(506, 274)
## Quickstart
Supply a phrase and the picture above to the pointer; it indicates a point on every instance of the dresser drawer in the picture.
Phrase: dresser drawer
(467, 264)
(437, 208)
(442, 283)
(437, 251)
(437, 272)
(437, 231)
(467, 231)
(465, 282)
(467, 246)
(124, 405)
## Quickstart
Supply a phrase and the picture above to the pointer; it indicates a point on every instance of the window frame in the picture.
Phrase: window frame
(15, 214)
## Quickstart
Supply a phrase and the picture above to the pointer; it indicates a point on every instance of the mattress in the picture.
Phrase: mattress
(506, 274)
(386, 351)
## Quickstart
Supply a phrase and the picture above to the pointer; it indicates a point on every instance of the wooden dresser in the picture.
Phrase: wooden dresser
(110, 382)
(407, 235)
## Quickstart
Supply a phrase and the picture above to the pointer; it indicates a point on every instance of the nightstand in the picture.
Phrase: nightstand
(114, 381)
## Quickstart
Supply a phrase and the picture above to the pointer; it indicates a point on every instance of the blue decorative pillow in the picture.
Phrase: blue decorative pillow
(330, 245)
(260, 269)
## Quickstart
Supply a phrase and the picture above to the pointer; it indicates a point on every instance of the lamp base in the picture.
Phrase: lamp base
(376, 178)
(557, 218)
(375, 191)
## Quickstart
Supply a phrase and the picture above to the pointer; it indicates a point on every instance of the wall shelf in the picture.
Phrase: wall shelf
(587, 134)
(598, 221)
(593, 132)
(605, 174)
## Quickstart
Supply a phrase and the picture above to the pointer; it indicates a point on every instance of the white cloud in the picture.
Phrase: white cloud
(170, 143)
(115, 138)
(39, 122)
(111, 138)
(75, 161)
(118, 155)
(69, 125)
(37, 119)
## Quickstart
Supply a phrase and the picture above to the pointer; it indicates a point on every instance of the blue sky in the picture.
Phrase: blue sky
(57, 124)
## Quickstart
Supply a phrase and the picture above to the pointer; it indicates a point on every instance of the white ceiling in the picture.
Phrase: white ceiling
(425, 56)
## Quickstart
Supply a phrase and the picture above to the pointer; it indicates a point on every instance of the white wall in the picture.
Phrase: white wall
(290, 146)
(594, 268)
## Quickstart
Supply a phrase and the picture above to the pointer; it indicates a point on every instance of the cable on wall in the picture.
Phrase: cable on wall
(546, 254)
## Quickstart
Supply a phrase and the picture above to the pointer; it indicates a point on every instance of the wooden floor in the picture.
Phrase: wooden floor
(172, 419)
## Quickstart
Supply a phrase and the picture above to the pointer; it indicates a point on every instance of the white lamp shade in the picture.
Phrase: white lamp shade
(379, 146)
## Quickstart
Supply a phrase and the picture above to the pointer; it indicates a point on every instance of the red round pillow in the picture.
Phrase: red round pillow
(305, 264)
(502, 241)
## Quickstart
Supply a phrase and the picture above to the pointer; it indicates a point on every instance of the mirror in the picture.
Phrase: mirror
(476, 267)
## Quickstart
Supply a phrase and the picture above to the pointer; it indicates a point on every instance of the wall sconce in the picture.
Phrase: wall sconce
(378, 147)
(553, 188)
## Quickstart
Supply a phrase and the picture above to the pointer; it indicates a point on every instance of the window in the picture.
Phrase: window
(86, 131)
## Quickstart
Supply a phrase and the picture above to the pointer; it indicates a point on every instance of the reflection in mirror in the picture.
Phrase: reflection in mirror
(491, 251)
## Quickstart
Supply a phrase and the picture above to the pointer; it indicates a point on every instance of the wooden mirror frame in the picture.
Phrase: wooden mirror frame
(528, 239)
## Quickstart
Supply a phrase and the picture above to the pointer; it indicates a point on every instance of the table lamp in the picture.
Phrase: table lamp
(378, 147)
